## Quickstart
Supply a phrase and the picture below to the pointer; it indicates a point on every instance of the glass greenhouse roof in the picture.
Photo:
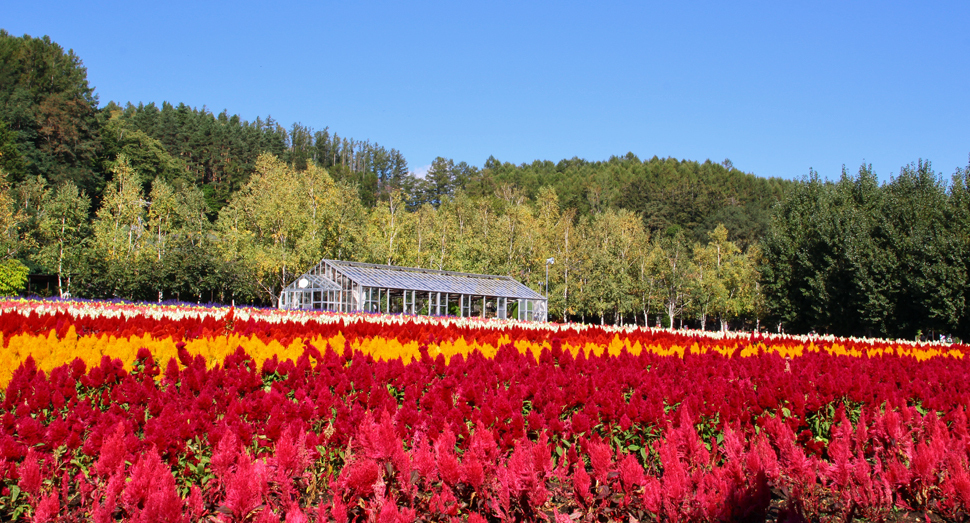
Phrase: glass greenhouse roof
(314, 282)
(409, 278)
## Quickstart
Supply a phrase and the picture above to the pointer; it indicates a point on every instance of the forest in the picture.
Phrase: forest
(170, 202)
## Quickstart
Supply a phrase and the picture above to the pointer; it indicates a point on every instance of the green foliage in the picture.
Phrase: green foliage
(46, 100)
(281, 223)
(608, 253)
(62, 229)
(669, 194)
(858, 258)
(149, 246)
(721, 278)
(190, 146)
(119, 240)
(145, 154)
(11, 161)
(13, 277)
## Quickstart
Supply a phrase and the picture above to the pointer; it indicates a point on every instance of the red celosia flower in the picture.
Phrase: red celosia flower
(30, 430)
(338, 511)
(295, 515)
(47, 509)
(445, 459)
(246, 487)
(226, 455)
(291, 456)
(581, 483)
(29, 472)
(423, 461)
(631, 473)
(113, 451)
(359, 477)
(150, 494)
(194, 504)
(103, 512)
(600, 457)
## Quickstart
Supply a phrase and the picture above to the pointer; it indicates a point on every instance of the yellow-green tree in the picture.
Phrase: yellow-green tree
(119, 235)
(272, 229)
(742, 281)
(646, 288)
(419, 237)
(13, 273)
(674, 270)
(178, 244)
(710, 275)
(346, 228)
(556, 239)
(520, 243)
(62, 227)
(385, 228)
(608, 244)
(725, 279)
(442, 236)
(10, 222)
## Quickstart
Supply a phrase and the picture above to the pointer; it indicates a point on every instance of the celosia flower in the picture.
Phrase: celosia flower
(29, 472)
(47, 509)
(113, 451)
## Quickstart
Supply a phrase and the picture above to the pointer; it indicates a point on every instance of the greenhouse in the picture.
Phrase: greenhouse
(364, 287)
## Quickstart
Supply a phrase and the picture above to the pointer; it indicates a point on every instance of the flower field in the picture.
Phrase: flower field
(115, 412)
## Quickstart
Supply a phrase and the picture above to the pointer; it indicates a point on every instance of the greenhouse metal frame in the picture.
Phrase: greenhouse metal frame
(365, 287)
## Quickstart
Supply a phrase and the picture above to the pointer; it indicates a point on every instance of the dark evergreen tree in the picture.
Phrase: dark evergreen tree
(931, 274)
(46, 100)
(857, 258)
(11, 161)
(440, 181)
(300, 148)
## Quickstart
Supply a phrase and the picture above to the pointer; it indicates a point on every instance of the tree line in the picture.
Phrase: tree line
(172, 202)
(856, 257)
(148, 241)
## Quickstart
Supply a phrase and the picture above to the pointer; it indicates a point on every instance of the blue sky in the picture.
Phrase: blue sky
(775, 87)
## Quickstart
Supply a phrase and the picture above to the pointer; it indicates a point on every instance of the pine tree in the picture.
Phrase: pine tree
(46, 100)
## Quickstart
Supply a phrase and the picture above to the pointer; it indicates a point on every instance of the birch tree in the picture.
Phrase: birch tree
(674, 269)
(269, 225)
(118, 238)
(62, 227)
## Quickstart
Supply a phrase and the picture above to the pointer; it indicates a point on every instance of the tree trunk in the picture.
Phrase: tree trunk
(60, 269)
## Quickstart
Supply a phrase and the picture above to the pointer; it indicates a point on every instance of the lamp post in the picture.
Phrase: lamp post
(549, 261)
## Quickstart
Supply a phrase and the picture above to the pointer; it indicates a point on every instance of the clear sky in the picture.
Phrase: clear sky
(775, 87)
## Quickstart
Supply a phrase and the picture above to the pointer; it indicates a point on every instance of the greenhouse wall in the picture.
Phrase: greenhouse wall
(358, 287)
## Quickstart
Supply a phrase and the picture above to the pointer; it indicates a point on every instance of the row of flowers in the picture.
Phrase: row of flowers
(308, 319)
(54, 333)
(170, 418)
